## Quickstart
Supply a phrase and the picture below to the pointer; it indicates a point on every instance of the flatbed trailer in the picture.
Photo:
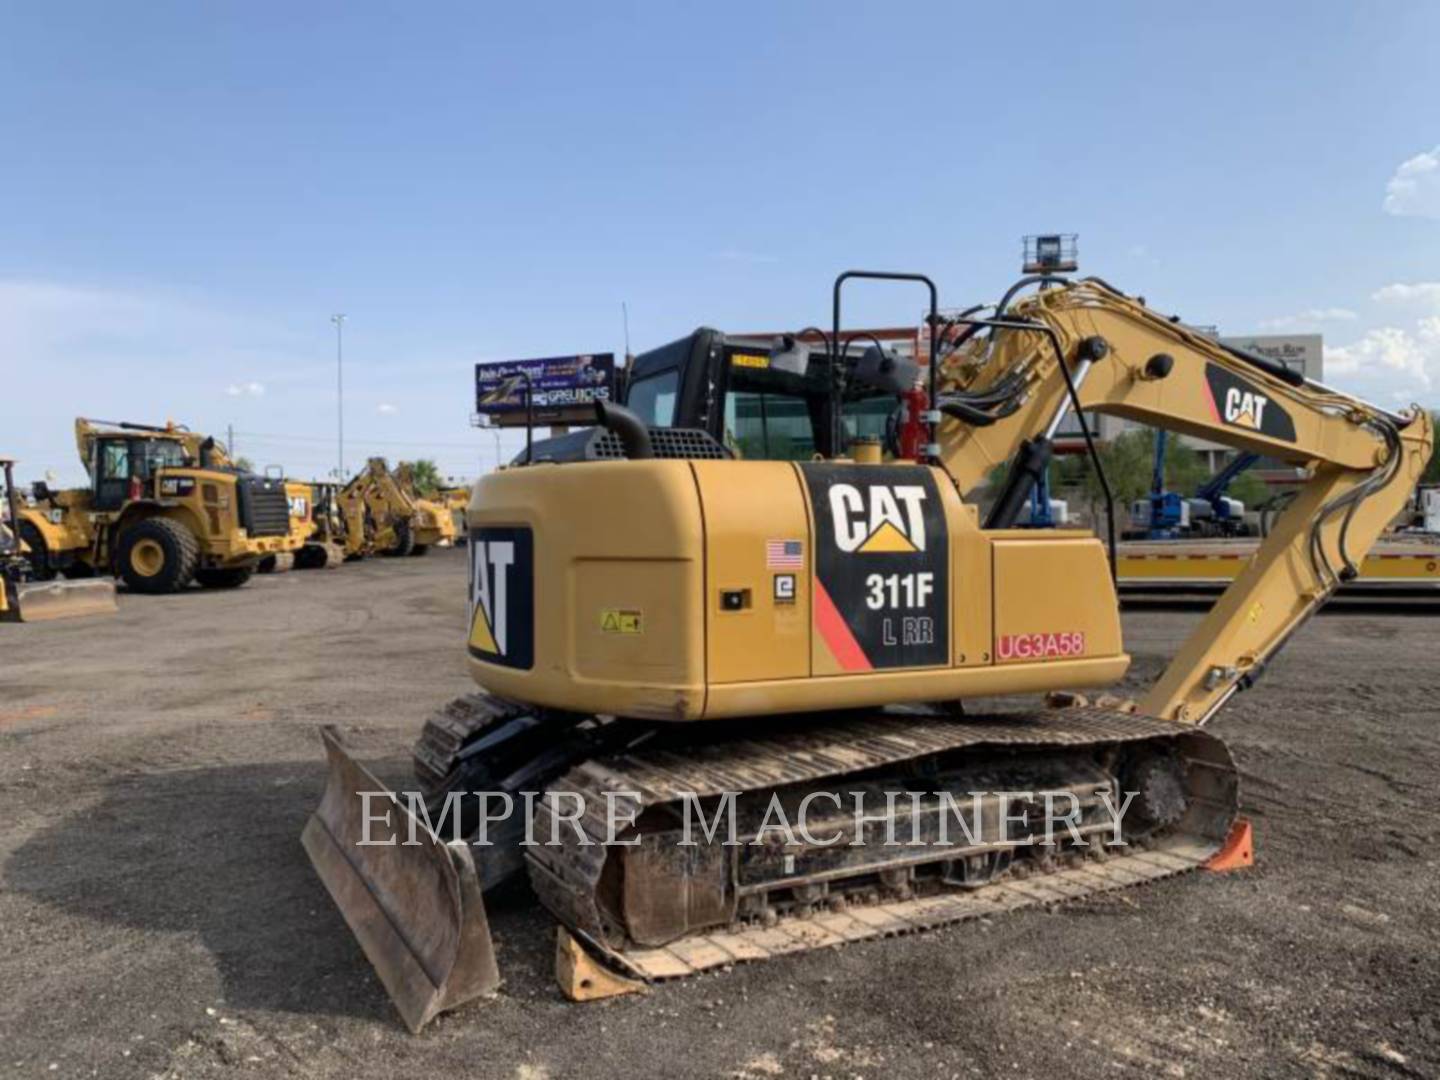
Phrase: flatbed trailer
(1401, 565)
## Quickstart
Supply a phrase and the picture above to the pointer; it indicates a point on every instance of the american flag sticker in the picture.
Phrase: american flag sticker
(784, 555)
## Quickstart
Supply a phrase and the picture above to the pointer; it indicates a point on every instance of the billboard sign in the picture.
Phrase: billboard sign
(565, 388)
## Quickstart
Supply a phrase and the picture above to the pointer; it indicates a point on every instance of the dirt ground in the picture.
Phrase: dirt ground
(159, 918)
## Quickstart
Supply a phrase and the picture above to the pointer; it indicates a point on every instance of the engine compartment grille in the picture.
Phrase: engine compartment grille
(264, 506)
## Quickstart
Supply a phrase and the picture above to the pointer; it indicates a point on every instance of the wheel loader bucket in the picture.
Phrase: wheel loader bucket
(41, 601)
(416, 909)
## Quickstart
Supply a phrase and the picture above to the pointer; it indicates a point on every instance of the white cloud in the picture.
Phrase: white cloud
(386, 409)
(1389, 364)
(1309, 317)
(1414, 190)
(1426, 293)
(164, 353)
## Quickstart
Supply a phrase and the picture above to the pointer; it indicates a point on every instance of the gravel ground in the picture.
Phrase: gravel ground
(159, 918)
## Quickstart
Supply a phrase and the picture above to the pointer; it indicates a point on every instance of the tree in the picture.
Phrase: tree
(1128, 461)
(1184, 471)
(244, 464)
(1250, 490)
(425, 475)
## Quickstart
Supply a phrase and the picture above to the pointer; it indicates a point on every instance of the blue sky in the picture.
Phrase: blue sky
(190, 190)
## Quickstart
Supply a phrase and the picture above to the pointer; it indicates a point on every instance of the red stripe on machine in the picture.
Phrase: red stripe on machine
(836, 633)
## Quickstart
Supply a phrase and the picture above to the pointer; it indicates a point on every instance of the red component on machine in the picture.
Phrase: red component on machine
(135, 490)
(913, 432)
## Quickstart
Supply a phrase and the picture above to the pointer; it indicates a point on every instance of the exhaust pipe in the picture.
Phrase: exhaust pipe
(634, 436)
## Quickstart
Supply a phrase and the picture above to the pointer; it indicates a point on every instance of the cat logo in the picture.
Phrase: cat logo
(886, 518)
(1245, 408)
(490, 564)
(502, 596)
(1240, 404)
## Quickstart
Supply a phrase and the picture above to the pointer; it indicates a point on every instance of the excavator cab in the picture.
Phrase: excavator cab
(768, 400)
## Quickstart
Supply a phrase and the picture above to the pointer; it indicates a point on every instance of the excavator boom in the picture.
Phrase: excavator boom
(1087, 344)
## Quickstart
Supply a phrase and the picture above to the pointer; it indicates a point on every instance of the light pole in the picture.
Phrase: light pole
(339, 320)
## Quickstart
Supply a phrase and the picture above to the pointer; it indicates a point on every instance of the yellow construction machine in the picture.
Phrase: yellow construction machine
(662, 632)
(165, 507)
(309, 549)
(23, 597)
(456, 500)
(397, 522)
(328, 542)
(433, 522)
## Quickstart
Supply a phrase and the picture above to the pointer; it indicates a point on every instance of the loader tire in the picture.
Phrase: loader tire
(157, 555)
(224, 578)
(42, 565)
(419, 549)
(404, 540)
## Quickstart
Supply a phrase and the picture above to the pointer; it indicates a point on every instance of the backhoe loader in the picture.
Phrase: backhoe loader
(396, 522)
(662, 629)
(433, 522)
(23, 598)
(165, 507)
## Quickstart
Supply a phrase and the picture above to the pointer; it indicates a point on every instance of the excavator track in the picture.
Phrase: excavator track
(482, 743)
(708, 906)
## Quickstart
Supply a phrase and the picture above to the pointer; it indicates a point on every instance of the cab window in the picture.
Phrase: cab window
(768, 427)
(115, 460)
(653, 398)
(163, 454)
(781, 427)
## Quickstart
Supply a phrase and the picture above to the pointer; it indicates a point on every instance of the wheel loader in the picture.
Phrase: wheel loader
(663, 629)
(24, 598)
(165, 507)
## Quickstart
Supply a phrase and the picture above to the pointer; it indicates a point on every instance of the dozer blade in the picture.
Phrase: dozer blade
(416, 910)
(41, 601)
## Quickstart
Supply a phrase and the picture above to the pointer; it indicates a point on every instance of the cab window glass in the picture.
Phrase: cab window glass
(768, 427)
(163, 454)
(115, 460)
(653, 399)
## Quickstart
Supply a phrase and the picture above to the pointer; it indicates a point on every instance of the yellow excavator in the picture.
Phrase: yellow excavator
(664, 632)
(24, 597)
(166, 507)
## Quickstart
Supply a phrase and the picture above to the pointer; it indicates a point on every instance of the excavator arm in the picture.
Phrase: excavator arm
(1013, 378)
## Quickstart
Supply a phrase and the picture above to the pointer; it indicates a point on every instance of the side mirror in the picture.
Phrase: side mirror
(790, 355)
(886, 371)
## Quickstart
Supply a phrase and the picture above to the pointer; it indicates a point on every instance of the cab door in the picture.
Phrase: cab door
(114, 461)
